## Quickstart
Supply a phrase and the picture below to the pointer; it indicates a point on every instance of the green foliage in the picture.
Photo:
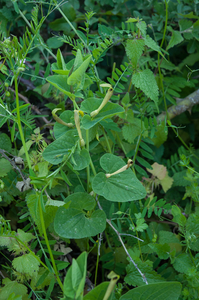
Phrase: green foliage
(112, 178)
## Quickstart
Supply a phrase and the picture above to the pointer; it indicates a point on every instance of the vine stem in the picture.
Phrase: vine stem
(123, 245)
(88, 167)
(48, 246)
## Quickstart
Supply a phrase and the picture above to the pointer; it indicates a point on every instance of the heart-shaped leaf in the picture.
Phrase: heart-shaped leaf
(75, 222)
(55, 152)
(59, 129)
(155, 291)
(80, 159)
(91, 104)
(121, 187)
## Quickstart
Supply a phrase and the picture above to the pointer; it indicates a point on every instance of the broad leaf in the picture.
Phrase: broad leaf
(80, 159)
(155, 291)
(76, 76)
(27, 264)
(75, 278)
(55, 152)
(121, 187)
(75, 222)
(91, 104)
(98, 292)
(60, 129)
(60, 82)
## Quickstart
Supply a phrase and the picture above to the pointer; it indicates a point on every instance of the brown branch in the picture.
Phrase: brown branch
(182, 106)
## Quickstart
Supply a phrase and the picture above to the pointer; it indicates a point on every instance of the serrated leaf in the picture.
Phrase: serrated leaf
(183, 263)
(134, 49)
(142, 26)
(145, 81)
(5, 167)
(175, 39)
(13, 287)
(131, 131)
(149, 42)
(5, 142)
(121, 187)
(26, 263)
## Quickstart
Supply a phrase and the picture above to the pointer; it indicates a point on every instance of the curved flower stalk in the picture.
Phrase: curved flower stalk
(104, 102)
(58, 120)
(130, 162)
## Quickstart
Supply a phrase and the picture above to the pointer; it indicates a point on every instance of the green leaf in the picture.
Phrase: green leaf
(175, 39)
(155, 291)
(12, 287)
(143, 162)
(161, 135)
(134, 278)
(183, 263)
(98, 292)
(149, 42)
(27, 264)
(60, 129)
(55, 152)
(178, 217)
(121, 187)
(162, 250)
(134, 49)
(75, 278)
(5, 142)
(75, 222)
(5, 167)
(91, 104)
(142, 26)
(51, 208)
(76, 76)
(131, 131)
(80, 159)
(145, 80)
(60, 82)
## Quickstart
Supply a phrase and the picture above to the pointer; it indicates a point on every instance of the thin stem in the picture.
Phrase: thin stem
(123, 245)
(97, 264)
(48, 245)
(107, 142)
(88, 167)
(93, 168)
